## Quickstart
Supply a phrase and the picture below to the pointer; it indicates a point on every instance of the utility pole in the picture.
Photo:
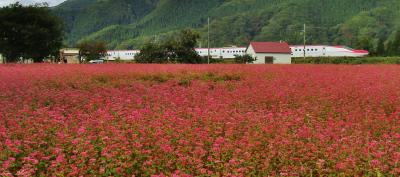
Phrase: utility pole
(208, 58)
(304, 35)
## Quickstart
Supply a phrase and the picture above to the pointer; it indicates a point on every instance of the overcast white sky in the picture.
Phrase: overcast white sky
(51, 2)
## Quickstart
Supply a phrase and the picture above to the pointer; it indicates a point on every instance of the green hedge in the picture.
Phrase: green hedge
(347, 60)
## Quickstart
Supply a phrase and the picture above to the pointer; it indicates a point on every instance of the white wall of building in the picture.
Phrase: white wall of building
(69, 55)
(278, 58)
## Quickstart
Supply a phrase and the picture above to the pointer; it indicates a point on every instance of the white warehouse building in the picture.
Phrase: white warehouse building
(270, 52)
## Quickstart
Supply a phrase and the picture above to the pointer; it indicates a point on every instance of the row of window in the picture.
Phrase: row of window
(237, 51)
(125, 54)
(212, 51)
(130, 53)
(301, 50)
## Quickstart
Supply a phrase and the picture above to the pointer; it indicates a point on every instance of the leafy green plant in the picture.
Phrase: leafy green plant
(244, 59)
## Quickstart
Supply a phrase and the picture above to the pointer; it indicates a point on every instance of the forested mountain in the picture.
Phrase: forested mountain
(127, 23)
(84, 17)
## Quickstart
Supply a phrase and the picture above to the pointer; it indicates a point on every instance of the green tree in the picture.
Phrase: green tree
(380, 48)
(91, 50)
(179, 48)
(29, 32)
(151, 53)
(183, 49)
(394, 45)
(364, 43)
(244, 59)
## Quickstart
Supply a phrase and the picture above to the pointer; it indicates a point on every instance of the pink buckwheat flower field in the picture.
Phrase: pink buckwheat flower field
(199, 120)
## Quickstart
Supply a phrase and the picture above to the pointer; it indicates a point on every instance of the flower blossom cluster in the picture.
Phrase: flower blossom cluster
(199, 120)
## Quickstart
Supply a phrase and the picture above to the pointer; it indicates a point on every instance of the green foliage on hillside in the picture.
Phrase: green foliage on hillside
(363, 24)
(177, 49)
(84, 17)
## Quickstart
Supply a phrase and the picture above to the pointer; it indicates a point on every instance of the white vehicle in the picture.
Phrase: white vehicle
(222, 53)
(326, 51)
(231, 52)
(96, 61)
(297, 51)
